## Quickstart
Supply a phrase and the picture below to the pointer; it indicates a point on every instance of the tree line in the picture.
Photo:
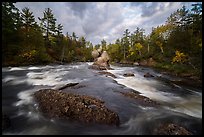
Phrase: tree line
(175, 45)
(24, 41)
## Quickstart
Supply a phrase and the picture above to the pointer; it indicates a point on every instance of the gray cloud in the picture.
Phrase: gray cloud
(79, 8)
(97, 21)
(151, 8)
(101, 19)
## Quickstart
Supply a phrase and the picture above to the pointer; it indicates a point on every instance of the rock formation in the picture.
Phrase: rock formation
(101, 60)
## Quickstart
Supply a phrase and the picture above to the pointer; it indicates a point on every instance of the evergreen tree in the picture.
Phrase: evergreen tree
(125, 43)
(48, 24)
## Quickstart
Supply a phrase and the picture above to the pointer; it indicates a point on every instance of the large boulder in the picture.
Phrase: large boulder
(101, 61)
(54, 103)
(105, 56)
(95, 54)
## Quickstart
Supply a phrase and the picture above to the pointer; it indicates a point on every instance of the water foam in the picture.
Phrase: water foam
(190, 105)
(33, 68)
(25, 97)
(9, 78)
(17, 68)
(14, 80)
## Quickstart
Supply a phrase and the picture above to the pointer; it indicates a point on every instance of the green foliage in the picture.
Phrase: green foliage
(103, 43)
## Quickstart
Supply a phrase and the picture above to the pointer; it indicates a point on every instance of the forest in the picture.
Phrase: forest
(175, 46)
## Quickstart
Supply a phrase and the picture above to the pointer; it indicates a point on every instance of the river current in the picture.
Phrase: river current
(180, 104)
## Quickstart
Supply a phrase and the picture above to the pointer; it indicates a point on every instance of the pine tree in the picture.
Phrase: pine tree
(48, 24)
(125, 42)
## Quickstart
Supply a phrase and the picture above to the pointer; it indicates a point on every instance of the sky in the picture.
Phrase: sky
(105, 20)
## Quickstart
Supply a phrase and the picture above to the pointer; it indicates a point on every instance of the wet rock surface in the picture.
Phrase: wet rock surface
(141, 99)
(171, 129)
(54, 103)
(107, 74)
(128, 75)
(148, 75)
(97, 67)
(68, 85)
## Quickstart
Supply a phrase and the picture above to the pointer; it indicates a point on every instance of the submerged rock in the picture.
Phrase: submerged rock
(107, 74)
(54, 103)
(128, 75)
(97, 67)
(171, 129)
(148, 75)
(141, 99)
(68, 85)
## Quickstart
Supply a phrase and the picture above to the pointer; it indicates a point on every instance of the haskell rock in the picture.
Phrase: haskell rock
(54, 103)
(95, 54)
(101, 60)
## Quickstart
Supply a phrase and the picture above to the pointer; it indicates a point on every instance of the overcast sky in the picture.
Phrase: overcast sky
(105, 20)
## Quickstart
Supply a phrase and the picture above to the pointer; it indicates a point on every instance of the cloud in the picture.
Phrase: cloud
(105, 20)
(151, 8)
(79, 8)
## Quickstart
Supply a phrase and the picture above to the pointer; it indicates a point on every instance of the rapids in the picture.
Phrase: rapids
(180, 104)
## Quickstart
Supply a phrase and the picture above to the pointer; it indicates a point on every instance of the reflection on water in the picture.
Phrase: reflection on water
(179, 104)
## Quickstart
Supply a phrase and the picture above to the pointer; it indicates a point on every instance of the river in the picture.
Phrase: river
(180, 104)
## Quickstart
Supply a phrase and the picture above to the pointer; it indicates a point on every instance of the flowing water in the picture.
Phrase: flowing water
(181, 105)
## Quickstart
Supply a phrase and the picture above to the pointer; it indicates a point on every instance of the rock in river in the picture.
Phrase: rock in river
(171, 129)
(54, 103)
(140, 99)
(148, 75)
(107, 74)
(128, 75)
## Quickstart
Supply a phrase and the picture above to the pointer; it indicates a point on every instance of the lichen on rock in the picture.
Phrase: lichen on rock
(54, 103)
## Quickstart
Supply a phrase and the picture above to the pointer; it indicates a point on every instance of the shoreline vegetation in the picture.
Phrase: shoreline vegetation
(174, 48)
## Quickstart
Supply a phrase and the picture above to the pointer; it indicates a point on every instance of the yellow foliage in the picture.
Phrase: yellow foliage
(29, 55)
(138, 46)
(179, 58)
